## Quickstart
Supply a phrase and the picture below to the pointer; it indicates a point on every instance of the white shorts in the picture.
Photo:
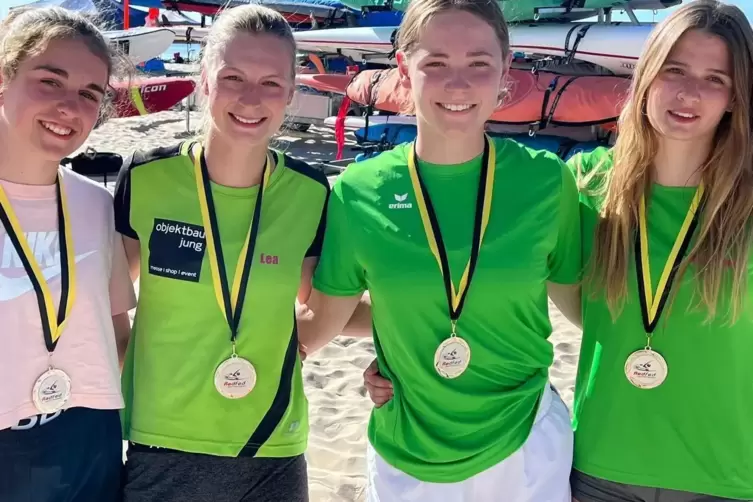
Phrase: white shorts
(537, 472)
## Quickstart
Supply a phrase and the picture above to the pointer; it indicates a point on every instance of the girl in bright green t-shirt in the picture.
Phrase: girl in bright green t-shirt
(664, 391)
(446, 235)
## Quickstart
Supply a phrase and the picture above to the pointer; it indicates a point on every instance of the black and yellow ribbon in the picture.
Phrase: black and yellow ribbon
(653, 302)
(53, 323)
(230, 301)
(456, 298)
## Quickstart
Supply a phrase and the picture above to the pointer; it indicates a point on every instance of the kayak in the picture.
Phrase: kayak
(150, 95)
(141, 44)
(537, 99)
(540, 10)
(612, 46)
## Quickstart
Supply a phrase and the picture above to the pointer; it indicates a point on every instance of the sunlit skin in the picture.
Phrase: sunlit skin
(693, 90)
(250, 86)
(51, 105)
(455, 72)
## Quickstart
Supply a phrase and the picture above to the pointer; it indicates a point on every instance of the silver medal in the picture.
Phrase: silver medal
(235, 377)
(646, 369)
(452, 357)
(51, 391)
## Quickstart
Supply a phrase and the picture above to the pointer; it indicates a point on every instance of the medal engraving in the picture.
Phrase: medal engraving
(52, 390)
(235, 378)
(452, 357)
(646, 369)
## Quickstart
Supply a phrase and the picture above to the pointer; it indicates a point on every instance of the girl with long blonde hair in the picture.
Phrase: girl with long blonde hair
(664, 390)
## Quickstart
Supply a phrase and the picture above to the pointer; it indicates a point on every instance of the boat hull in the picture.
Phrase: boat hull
(156, 94)
(613, 46)
(141, 44)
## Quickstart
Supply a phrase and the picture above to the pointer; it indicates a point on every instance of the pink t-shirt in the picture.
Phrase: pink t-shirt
(86, 350)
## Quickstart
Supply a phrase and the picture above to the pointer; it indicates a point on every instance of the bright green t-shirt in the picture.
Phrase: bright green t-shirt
(180, 335)
(437, 429)
(694, 432)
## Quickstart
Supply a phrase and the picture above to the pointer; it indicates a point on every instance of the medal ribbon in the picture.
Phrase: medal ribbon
(456, 299)
(652, 303)
(53, 323)
(230, 302)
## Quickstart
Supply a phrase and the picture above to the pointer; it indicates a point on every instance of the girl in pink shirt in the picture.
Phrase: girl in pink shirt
(65, 291)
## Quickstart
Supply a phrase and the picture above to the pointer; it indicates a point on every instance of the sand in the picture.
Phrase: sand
(339, 406)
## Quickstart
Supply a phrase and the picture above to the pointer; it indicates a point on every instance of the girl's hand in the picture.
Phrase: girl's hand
(379, 388)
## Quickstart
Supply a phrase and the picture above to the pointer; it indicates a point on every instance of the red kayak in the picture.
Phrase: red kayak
(150, 95)
(532, 98)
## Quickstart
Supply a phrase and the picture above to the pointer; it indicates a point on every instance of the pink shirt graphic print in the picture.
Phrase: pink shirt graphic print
(86, 350)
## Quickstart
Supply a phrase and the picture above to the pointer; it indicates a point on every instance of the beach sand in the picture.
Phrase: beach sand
(338, 404)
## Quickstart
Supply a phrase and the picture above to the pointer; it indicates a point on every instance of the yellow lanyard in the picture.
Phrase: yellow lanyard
(456, 299)
(53, 323)
(652, 303)
(230, 302)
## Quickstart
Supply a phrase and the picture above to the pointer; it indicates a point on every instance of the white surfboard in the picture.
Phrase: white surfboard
(614, 46)
(141, 44)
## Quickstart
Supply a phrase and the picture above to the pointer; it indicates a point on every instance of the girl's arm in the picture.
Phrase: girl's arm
(121, 323)
(133, 255)
(122, 296)
(322, 317)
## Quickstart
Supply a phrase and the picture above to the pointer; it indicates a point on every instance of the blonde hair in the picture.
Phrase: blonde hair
(724, 230)
(27, 32)
(247, 19)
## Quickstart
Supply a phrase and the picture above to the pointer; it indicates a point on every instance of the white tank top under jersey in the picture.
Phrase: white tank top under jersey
(86, 350)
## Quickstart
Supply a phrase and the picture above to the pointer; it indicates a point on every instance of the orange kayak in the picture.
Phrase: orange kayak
(544, 98)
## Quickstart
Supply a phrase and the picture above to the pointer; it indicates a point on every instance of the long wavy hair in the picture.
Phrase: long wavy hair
(724, 231)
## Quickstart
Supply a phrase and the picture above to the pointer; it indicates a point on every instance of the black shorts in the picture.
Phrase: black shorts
(73, 456)
(587, 488)
(173, 476)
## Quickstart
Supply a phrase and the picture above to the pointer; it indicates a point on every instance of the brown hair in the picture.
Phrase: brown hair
(420, 12)
(27, 32)
(249, 19)
(724, 231)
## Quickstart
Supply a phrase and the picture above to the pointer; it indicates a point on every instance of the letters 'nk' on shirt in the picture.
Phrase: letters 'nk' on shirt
(437, 429)
(693, 433)
(86, 351)
(180, 334)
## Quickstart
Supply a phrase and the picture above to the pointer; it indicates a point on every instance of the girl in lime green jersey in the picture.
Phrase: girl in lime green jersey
(224, 233)
(664, 391)
(455, 237)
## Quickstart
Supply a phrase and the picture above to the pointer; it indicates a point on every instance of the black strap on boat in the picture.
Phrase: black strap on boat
(550, 115)
(393, 41)
(540, 124)
(570, 53)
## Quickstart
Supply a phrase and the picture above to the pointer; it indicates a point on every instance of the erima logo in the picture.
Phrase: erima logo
(42, 244)
(401, 204)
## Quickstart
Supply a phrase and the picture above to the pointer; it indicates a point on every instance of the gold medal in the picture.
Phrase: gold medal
(453, 355)
(646, 368)
(235, 377)
(52, 389)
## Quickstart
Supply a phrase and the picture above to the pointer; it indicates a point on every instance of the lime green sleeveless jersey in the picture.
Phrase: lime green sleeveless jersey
(437, 429)
(180, 335)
